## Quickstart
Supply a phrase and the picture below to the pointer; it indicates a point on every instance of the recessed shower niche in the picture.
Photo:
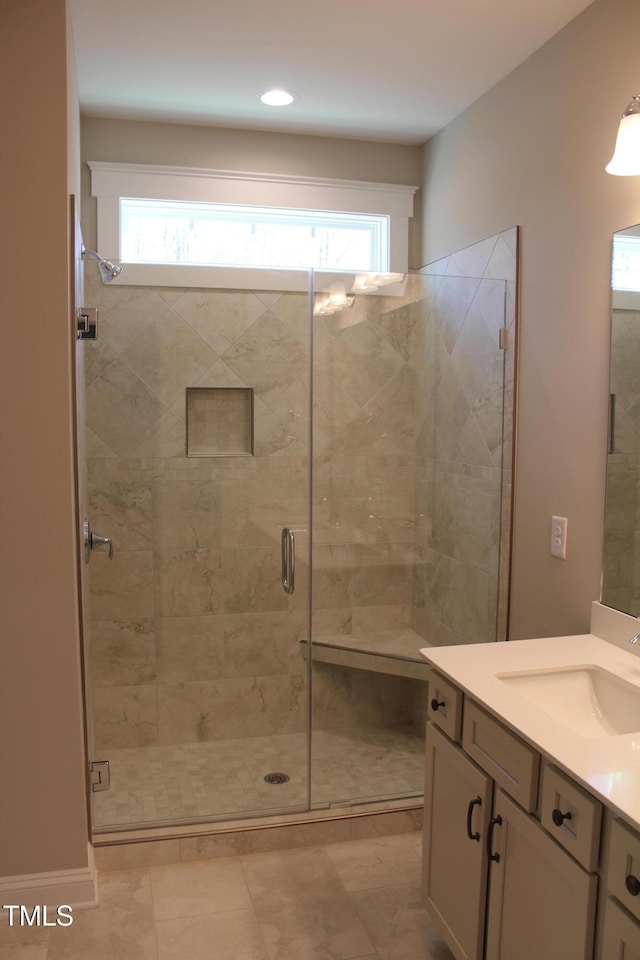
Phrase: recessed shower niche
(219, 421)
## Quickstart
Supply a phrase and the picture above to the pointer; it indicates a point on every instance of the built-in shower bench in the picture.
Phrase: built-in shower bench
(396, 652)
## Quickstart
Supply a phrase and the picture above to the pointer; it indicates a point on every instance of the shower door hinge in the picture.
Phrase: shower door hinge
(87, 323)
(99, 775)
(503, 341)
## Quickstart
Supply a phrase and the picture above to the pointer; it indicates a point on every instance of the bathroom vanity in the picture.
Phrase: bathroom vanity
(532, 796)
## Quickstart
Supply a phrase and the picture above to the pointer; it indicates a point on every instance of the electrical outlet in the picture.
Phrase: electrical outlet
(559, 537)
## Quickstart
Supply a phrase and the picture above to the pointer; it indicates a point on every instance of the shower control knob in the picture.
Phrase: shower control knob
(97, 541)
(93, 540)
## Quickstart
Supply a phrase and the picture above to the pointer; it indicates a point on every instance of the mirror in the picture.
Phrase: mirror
(621, 560)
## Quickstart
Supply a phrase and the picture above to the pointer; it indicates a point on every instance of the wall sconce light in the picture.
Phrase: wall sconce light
(626, 158)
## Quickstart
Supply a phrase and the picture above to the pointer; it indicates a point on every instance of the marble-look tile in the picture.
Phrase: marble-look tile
(381, 862)
(125, 716)
(252, 579)
(127, 856)
(188, 582)
(120, 505)
(382, 574)
(189, 648)
(472, 261)
(389, 824)
(186, 511)
(489, 410)
(234, 935)
(263, 644)
(332, 575)
(473, 356)
(121, 588)
(256, 706)
(301, 906)
(220, 317)
(398, 925)
(191, 711)
(244, 842)
(122, 652)
(362, 361)
(125, 313)
(293, 310)
(166, 438)
(399, 325)
(267, 357)
(121, 408)
(22, 943)
(97, 357)
(34, 950)
(191, 889)
(502, 264)
(455, 297)
(122, 926)
(169, 356)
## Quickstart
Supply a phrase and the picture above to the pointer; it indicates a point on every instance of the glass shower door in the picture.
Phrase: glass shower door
(409, 472)
(198, 438)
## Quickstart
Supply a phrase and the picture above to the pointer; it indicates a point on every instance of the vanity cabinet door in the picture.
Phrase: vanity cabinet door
(541, 902)
(458, 797)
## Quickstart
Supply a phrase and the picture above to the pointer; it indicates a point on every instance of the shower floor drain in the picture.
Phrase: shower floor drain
(276, 778)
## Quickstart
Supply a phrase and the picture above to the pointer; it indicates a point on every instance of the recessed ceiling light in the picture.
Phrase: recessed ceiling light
(277, 98)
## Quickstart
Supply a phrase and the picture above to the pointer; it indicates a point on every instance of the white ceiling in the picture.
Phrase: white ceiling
(395, 70)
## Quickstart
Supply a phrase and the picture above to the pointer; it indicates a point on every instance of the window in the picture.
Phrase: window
(170, 225)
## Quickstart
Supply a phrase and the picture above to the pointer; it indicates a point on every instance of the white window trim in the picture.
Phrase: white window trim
(110, 181)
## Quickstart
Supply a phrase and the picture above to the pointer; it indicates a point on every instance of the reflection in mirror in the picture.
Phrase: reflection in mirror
(621, 560)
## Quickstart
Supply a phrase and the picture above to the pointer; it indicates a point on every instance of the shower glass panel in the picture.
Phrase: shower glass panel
(410, 463)
(198, 455)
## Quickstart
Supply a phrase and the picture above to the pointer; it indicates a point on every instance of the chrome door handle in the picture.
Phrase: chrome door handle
(93, 540)
(288, 560)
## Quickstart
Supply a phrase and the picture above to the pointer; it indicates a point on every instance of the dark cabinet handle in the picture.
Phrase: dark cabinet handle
(472, 804)
(633, 885)
(559, 817)
(495, 821)
(436, 703)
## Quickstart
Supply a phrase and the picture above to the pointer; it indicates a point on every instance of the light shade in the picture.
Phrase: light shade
(626, 158)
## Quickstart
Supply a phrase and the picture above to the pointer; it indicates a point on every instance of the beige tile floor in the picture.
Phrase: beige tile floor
(225, 778)
(340, 901)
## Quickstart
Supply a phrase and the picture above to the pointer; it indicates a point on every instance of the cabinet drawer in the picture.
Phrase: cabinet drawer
(445, 705)
(621, 934)
(623, 868)
(579, 829)
(512, 763)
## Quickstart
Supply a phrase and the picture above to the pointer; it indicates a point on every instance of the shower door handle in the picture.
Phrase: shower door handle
(288, 560)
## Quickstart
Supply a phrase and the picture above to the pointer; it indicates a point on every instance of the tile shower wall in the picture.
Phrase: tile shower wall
(464, 444)
(192, 638)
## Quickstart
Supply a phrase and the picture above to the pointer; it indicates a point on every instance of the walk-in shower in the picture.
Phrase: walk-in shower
(377, 435)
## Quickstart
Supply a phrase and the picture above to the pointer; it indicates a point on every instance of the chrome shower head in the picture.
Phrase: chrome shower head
(108, 269)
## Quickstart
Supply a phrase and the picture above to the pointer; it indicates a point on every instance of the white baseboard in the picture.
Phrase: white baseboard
(76, 888)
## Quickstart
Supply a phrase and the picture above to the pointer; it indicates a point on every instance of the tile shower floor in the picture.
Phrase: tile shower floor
(226, 778)
(359, 899)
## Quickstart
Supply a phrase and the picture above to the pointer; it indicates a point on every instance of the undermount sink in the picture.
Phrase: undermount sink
(586, 699)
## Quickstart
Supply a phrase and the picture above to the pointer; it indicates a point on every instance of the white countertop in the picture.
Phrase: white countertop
(608, 766)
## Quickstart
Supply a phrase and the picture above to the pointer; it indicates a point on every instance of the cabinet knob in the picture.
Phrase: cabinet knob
(436, 703)
(559, 817)
(633, 885)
